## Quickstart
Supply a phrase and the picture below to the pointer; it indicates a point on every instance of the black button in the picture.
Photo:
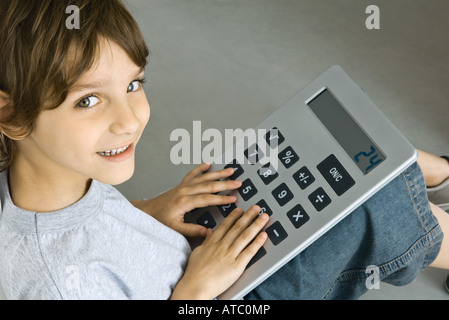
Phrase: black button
(254, 154)
(264, 208)
(276, 233)
(274, 138)
(334, 173)
(206, 220)
(257, 257)
(319, 199)
(282, 194)
(226, 209)
(267, 173)
(303, 178)
(238, 170)
(247, 190)
(288, 157)
(298, 216)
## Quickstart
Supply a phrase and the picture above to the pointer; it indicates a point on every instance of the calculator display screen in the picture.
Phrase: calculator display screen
(360, 148)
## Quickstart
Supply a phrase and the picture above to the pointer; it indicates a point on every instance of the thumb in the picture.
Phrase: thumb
(192, 230)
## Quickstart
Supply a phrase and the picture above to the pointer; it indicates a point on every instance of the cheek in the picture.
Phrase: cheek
(143, 112)
(65, 139)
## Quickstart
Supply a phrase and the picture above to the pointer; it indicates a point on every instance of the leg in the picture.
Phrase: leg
(436, 171)
(442, 260)
(434, 168)
(395, 231)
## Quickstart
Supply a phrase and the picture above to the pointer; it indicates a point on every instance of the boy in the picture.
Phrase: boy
(72, 111)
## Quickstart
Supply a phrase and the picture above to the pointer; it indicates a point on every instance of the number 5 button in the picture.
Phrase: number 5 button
(247, 190)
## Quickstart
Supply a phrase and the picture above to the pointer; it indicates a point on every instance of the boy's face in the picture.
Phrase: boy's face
(94, 132)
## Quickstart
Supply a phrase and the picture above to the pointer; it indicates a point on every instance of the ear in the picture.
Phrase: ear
(4, 101)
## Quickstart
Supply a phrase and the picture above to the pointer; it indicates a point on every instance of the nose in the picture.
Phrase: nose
(126, 120)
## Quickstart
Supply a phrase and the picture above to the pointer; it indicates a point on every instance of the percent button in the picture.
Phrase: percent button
(288, 157)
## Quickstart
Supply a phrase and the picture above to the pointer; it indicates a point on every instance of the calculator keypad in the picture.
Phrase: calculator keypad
(296, 175)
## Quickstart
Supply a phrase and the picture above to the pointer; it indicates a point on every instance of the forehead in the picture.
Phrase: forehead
(110, 60)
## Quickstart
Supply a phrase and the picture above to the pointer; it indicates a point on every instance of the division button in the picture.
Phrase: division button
(319, 199)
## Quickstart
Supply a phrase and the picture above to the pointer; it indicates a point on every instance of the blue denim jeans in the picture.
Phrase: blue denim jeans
(394, 230)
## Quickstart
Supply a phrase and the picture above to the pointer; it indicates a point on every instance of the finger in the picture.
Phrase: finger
(215, 175)
(196, 172)
(212, 187)
(192, 230)
(205, 200)
(241, 225)
(249, 233)
(226, 224)
(245, 257)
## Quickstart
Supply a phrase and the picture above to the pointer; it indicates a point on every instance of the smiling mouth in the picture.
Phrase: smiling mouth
(113, 152)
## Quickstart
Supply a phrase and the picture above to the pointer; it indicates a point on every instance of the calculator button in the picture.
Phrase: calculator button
(288, 157)
(298, 216)
(257, 257)
(264, 208)
(267, 173)
(303, 178)
(282, 194)
(206, 220)
(276, 233)
(274, 138)
(254, 154)
(247, 190)
(226, 209)
(238, 170)
(319, 199)
(334, 173)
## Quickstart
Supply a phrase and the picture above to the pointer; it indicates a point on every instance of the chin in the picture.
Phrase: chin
(117, 178)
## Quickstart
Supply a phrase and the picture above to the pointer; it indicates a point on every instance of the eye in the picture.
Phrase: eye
(136, 85)
(88, 102)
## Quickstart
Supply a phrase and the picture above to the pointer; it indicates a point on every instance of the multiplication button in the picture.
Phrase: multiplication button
(298, 216)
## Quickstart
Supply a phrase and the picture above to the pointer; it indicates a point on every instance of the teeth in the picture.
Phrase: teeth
(113, 152)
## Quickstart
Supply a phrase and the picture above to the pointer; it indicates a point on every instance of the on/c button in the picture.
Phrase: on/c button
(336, 175)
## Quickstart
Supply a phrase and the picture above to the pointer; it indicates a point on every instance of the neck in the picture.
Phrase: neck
(44, 189)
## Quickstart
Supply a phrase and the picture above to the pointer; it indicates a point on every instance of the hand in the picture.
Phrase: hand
(215, 265)
(196, 190)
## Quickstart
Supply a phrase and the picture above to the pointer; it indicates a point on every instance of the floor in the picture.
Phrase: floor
(231, 63)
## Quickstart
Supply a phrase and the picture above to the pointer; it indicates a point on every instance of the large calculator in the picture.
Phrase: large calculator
(334, 150)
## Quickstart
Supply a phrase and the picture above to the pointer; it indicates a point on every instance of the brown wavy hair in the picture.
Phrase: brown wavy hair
(40, 58)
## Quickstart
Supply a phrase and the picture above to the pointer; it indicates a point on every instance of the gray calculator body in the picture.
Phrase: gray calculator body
(335, 150)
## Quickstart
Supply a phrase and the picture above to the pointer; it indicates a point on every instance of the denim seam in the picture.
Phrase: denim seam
(422, 212)
(423, 243)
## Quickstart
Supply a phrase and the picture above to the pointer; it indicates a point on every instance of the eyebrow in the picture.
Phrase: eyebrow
(95, 84)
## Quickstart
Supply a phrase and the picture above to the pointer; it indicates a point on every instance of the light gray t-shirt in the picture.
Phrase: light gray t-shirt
(101, 247)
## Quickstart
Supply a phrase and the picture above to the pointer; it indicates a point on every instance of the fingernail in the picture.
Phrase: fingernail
(264, 216)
